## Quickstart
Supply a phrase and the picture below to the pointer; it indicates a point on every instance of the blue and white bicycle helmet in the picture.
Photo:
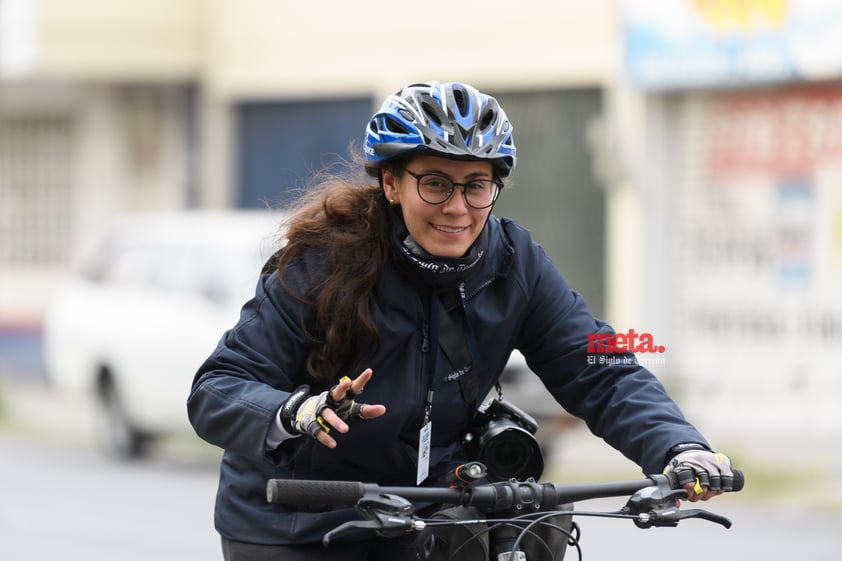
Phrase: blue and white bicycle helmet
(452, 119)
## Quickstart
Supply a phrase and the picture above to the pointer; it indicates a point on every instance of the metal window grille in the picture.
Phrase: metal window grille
(36, 190)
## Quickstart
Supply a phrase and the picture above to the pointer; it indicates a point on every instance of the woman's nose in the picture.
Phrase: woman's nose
(456, 202)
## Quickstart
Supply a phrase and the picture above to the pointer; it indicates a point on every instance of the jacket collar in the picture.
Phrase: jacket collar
(497, 262)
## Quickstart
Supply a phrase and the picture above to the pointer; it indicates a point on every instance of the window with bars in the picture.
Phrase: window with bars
(36, 190)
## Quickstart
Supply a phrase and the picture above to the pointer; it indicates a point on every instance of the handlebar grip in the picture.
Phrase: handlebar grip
(739, 481)
(736, 485)
(308, 492)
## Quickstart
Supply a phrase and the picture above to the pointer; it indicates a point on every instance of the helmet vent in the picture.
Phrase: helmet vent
(461, 100)
(486, 119)
(393, 125)
(432, 111)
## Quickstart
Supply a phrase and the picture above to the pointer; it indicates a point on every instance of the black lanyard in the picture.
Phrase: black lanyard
(459, 346)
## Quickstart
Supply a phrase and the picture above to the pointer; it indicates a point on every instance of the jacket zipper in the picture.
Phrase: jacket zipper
(478, 289)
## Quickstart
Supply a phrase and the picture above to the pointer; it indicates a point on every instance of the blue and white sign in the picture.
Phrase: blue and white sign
(680, 44)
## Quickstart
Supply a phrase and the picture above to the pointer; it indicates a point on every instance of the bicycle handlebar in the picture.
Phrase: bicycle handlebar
(390, 511)
(490, 498)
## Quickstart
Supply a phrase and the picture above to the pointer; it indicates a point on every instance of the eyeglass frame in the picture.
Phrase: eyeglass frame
(454, 185)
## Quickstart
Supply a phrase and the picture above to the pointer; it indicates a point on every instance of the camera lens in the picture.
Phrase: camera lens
(508, 451)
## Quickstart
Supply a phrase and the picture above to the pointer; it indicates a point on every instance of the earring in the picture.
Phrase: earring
(392, 202)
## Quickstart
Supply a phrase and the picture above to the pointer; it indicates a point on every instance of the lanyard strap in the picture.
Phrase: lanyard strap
(459, 346)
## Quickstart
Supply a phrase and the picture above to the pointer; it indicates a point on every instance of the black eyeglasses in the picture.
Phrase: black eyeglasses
(437, 189)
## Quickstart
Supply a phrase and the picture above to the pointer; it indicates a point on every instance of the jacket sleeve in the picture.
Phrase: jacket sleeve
(238, 390)
(620, 401)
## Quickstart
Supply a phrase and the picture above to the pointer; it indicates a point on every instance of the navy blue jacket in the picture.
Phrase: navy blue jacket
(516, 298)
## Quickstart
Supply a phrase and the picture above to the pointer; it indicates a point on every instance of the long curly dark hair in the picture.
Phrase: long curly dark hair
(343, 217)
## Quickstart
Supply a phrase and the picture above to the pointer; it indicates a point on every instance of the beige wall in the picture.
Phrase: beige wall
(108, 39)
(304, 48)
(266, 47)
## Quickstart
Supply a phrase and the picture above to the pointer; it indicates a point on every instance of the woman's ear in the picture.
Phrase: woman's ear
(390, 188)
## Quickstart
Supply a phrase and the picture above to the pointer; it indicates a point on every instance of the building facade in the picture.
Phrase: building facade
(114, 106)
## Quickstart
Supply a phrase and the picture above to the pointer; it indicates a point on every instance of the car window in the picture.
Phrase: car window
(222, 274)
(227, 275)
(97, 266)
(130, 266)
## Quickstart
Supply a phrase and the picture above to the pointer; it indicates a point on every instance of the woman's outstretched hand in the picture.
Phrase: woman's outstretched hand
(335, 408)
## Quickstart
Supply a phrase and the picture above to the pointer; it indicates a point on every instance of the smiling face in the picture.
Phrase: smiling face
(443, 230)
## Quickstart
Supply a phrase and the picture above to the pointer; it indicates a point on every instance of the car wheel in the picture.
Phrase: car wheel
(116, 434)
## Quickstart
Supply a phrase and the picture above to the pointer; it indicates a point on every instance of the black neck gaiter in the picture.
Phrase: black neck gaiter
(438, 272)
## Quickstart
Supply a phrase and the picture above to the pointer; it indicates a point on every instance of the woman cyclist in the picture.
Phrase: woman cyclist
(389, 314)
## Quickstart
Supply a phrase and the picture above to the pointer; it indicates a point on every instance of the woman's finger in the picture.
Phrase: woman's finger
(331, 418)
(326, 440)
(372, 411)
(358, 384)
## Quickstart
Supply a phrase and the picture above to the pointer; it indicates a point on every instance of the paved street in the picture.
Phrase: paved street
(65, 502)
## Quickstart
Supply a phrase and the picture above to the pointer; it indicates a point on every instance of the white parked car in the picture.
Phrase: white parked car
(146, 308)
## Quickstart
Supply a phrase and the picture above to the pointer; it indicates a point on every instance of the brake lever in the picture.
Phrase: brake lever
(656, 506)
(388, 515)
(672, 516)
(349, 528)
(655, 497)
(707, 515)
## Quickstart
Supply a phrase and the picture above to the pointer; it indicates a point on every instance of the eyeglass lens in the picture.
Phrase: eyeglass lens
(436, 189)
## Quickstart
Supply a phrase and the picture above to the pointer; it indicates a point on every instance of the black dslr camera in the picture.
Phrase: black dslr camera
(503, 439)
